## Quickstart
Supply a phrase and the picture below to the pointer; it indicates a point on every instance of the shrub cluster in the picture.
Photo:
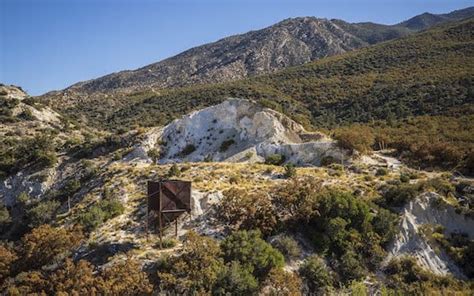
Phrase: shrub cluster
(15, 154)
(241, 264)
(99, 213)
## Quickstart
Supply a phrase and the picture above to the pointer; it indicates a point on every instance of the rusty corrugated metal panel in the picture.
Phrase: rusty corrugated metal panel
(175, 198)
(153, 196)
(175, 195)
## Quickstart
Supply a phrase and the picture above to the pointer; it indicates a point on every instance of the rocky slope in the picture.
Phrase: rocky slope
(288, 43)
(238, 130)
(229, 143)
(14, 106)
(429, 210)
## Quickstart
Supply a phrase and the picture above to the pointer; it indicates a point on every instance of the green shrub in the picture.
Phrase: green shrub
(226, 144)
(407, 277)
(405, 271)
(42, 213)
(287, 246)
(282, 282)
(111, 208)
(70, 188)
(90, 170)
(458, 246)
(315, 273)
(92, 218)
(249, 155)
(290, 170)
(26, 115)
(251, 251)
(46, 159)
(167, 243)
(117, 155)
(244, 210)
(358, 288)
(4, 216)
(399, 195)
(385, 224)
(234, 179)
(404, 178)
(99, 213)
(351, 266)
(328, 160)
(381, 172)
(235, 280)
(275, 159)
(154, 154)
(190, 148)
(174, 171)
(339, 224)
(195, 270)
(440, 185)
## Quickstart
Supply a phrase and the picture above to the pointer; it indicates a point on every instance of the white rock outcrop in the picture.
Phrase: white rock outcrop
(409, 241)
(238, 130)
(34, 184)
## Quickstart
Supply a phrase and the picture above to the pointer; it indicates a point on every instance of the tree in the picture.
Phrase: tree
(124, 278)
(154, 154)
(42, 213)
(297, 198)
(248, 248)
(47, 245)
(248, 210)
(74, 278)
(357, 137)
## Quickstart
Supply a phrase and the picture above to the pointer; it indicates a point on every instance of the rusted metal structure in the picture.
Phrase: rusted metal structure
(167, 200)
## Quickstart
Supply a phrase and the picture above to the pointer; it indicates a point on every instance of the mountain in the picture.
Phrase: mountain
(427, 20)
(288, 43)
(295, 186)
(428, 73)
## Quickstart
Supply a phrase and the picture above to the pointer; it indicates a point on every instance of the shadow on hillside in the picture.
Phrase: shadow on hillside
(100, 254)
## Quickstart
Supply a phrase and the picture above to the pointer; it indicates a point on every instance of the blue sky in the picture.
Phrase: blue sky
(51, 44)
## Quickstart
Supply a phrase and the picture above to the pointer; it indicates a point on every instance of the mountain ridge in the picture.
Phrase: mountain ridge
(290, 42)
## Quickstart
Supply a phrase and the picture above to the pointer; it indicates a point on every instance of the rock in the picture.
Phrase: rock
(424, 210)
(236, 130)
(34, 184)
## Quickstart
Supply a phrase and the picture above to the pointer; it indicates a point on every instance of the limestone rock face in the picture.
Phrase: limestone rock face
(237, 130)
(425, 210)
(34, 184)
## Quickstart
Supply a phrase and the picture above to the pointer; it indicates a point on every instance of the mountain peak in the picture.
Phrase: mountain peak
(291, 42)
